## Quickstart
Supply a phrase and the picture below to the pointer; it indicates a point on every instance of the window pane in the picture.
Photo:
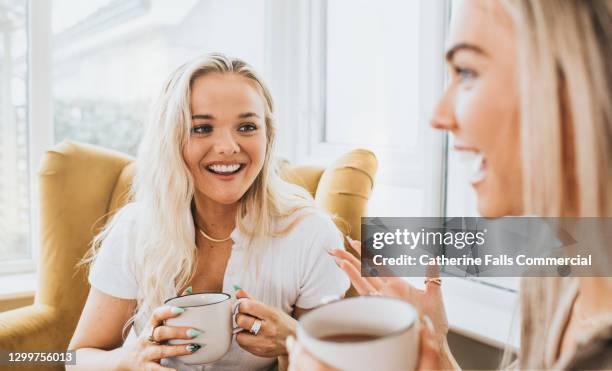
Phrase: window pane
(372, 72)
(111, 57)
(14, 184)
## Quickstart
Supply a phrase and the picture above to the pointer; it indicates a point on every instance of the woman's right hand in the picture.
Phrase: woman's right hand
(145, 354)
(428, 302)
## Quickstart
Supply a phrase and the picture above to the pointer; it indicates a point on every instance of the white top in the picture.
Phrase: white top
(295, 270)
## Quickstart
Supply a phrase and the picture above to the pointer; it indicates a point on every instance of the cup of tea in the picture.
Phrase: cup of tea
(213, 314)
(362, 333)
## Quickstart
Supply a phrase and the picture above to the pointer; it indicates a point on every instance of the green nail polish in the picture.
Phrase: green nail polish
(188, 291)
(193, 347)
(177, 310)
(193, 333)
(237, 287)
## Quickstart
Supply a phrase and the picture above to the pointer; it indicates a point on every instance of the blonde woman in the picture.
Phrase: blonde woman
(209, 215)
(530, 96)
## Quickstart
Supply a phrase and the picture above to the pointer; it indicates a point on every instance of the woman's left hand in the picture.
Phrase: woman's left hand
(276, 325)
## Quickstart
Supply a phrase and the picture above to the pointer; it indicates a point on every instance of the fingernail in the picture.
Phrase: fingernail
(188, 291)
(237, 287)
(289, 343)
(428, 323)
(193, 333)
(192, 348)
(177, 310)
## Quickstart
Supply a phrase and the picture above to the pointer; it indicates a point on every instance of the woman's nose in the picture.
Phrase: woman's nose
(225, 144)
(443, 117)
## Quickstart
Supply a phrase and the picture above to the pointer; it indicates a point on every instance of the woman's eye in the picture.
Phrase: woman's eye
(465, 74)
(247, 127)
(201, 129)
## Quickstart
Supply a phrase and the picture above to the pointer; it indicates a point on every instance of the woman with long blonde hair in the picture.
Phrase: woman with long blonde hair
(530, 95)
(210, 214)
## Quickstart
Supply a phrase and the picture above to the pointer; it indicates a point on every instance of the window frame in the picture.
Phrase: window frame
(39, 121)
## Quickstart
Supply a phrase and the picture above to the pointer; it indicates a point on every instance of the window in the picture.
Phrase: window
(111, 57)
(374, 81)
(14, 147)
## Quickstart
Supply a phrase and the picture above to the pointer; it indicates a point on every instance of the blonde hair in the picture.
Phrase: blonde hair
(163, 190)
(564, 52)
(566, 134)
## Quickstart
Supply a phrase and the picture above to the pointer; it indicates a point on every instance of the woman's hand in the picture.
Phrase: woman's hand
(301, 360)
(276, 325)
(145, 354)
(430, 354)
(428, 302)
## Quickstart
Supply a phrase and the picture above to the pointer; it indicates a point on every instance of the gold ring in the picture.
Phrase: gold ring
(437, 281)
(152, 336)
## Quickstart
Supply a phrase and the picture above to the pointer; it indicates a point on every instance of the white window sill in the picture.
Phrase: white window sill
(484, 313)
(17, 284)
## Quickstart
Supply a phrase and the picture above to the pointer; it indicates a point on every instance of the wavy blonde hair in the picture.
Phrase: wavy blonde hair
(163, 190)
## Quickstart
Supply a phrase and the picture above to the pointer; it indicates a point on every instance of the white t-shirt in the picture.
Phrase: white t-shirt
(294, 270)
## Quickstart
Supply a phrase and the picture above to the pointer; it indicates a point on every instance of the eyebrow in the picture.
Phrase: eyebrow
(211, 117)
(463, 46)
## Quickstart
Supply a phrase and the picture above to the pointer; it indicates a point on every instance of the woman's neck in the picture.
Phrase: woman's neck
(595, 296)
(217, 220)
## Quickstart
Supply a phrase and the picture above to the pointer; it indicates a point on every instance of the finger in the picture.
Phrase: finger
(188, 291)
(301, 360)
(162, 313)
(245, 321)
(376, 282)
(157, 352)
(362, 286)
(429, 358)
(163, 333)
(242, 293)
(343, 254)
(355, 245)
(157, 367)
(256, 309)
(248, 340)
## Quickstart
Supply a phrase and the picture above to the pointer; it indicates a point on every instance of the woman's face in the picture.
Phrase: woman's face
(480, 105)
(227, 145)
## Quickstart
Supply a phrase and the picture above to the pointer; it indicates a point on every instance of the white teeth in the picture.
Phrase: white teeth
(478, 171)
(223, 169)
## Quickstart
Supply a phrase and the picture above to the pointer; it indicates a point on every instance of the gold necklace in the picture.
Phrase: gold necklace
(213, 239)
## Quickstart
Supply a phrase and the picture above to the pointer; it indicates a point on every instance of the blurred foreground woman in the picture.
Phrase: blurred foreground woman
(530, 96)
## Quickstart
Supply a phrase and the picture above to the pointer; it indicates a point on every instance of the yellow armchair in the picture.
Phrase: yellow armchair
(81, 185)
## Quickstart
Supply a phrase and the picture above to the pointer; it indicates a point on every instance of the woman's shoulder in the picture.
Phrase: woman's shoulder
(312, 222)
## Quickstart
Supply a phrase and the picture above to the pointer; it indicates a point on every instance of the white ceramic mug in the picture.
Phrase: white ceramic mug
(213, 314)
(392, 323)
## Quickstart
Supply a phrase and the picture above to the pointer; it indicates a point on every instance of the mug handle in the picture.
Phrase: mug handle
(235, 310)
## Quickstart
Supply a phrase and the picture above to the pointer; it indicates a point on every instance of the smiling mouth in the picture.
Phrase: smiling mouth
(220, 169)
(477, 161)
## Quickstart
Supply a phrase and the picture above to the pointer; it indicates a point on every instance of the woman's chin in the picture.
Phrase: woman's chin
(492, 205)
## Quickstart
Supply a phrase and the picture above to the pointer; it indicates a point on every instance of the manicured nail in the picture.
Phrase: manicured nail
(188, 291)
(289, 343)
(177, 310)
(237, 287)
(192, 348)
(193, 333)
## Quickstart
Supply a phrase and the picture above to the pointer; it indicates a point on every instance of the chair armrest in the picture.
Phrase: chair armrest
(30, 328)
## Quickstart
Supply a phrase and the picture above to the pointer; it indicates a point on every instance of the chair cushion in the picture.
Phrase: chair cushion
(345, 187)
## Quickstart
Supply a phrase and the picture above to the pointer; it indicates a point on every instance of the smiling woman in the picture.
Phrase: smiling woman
(209, 214)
